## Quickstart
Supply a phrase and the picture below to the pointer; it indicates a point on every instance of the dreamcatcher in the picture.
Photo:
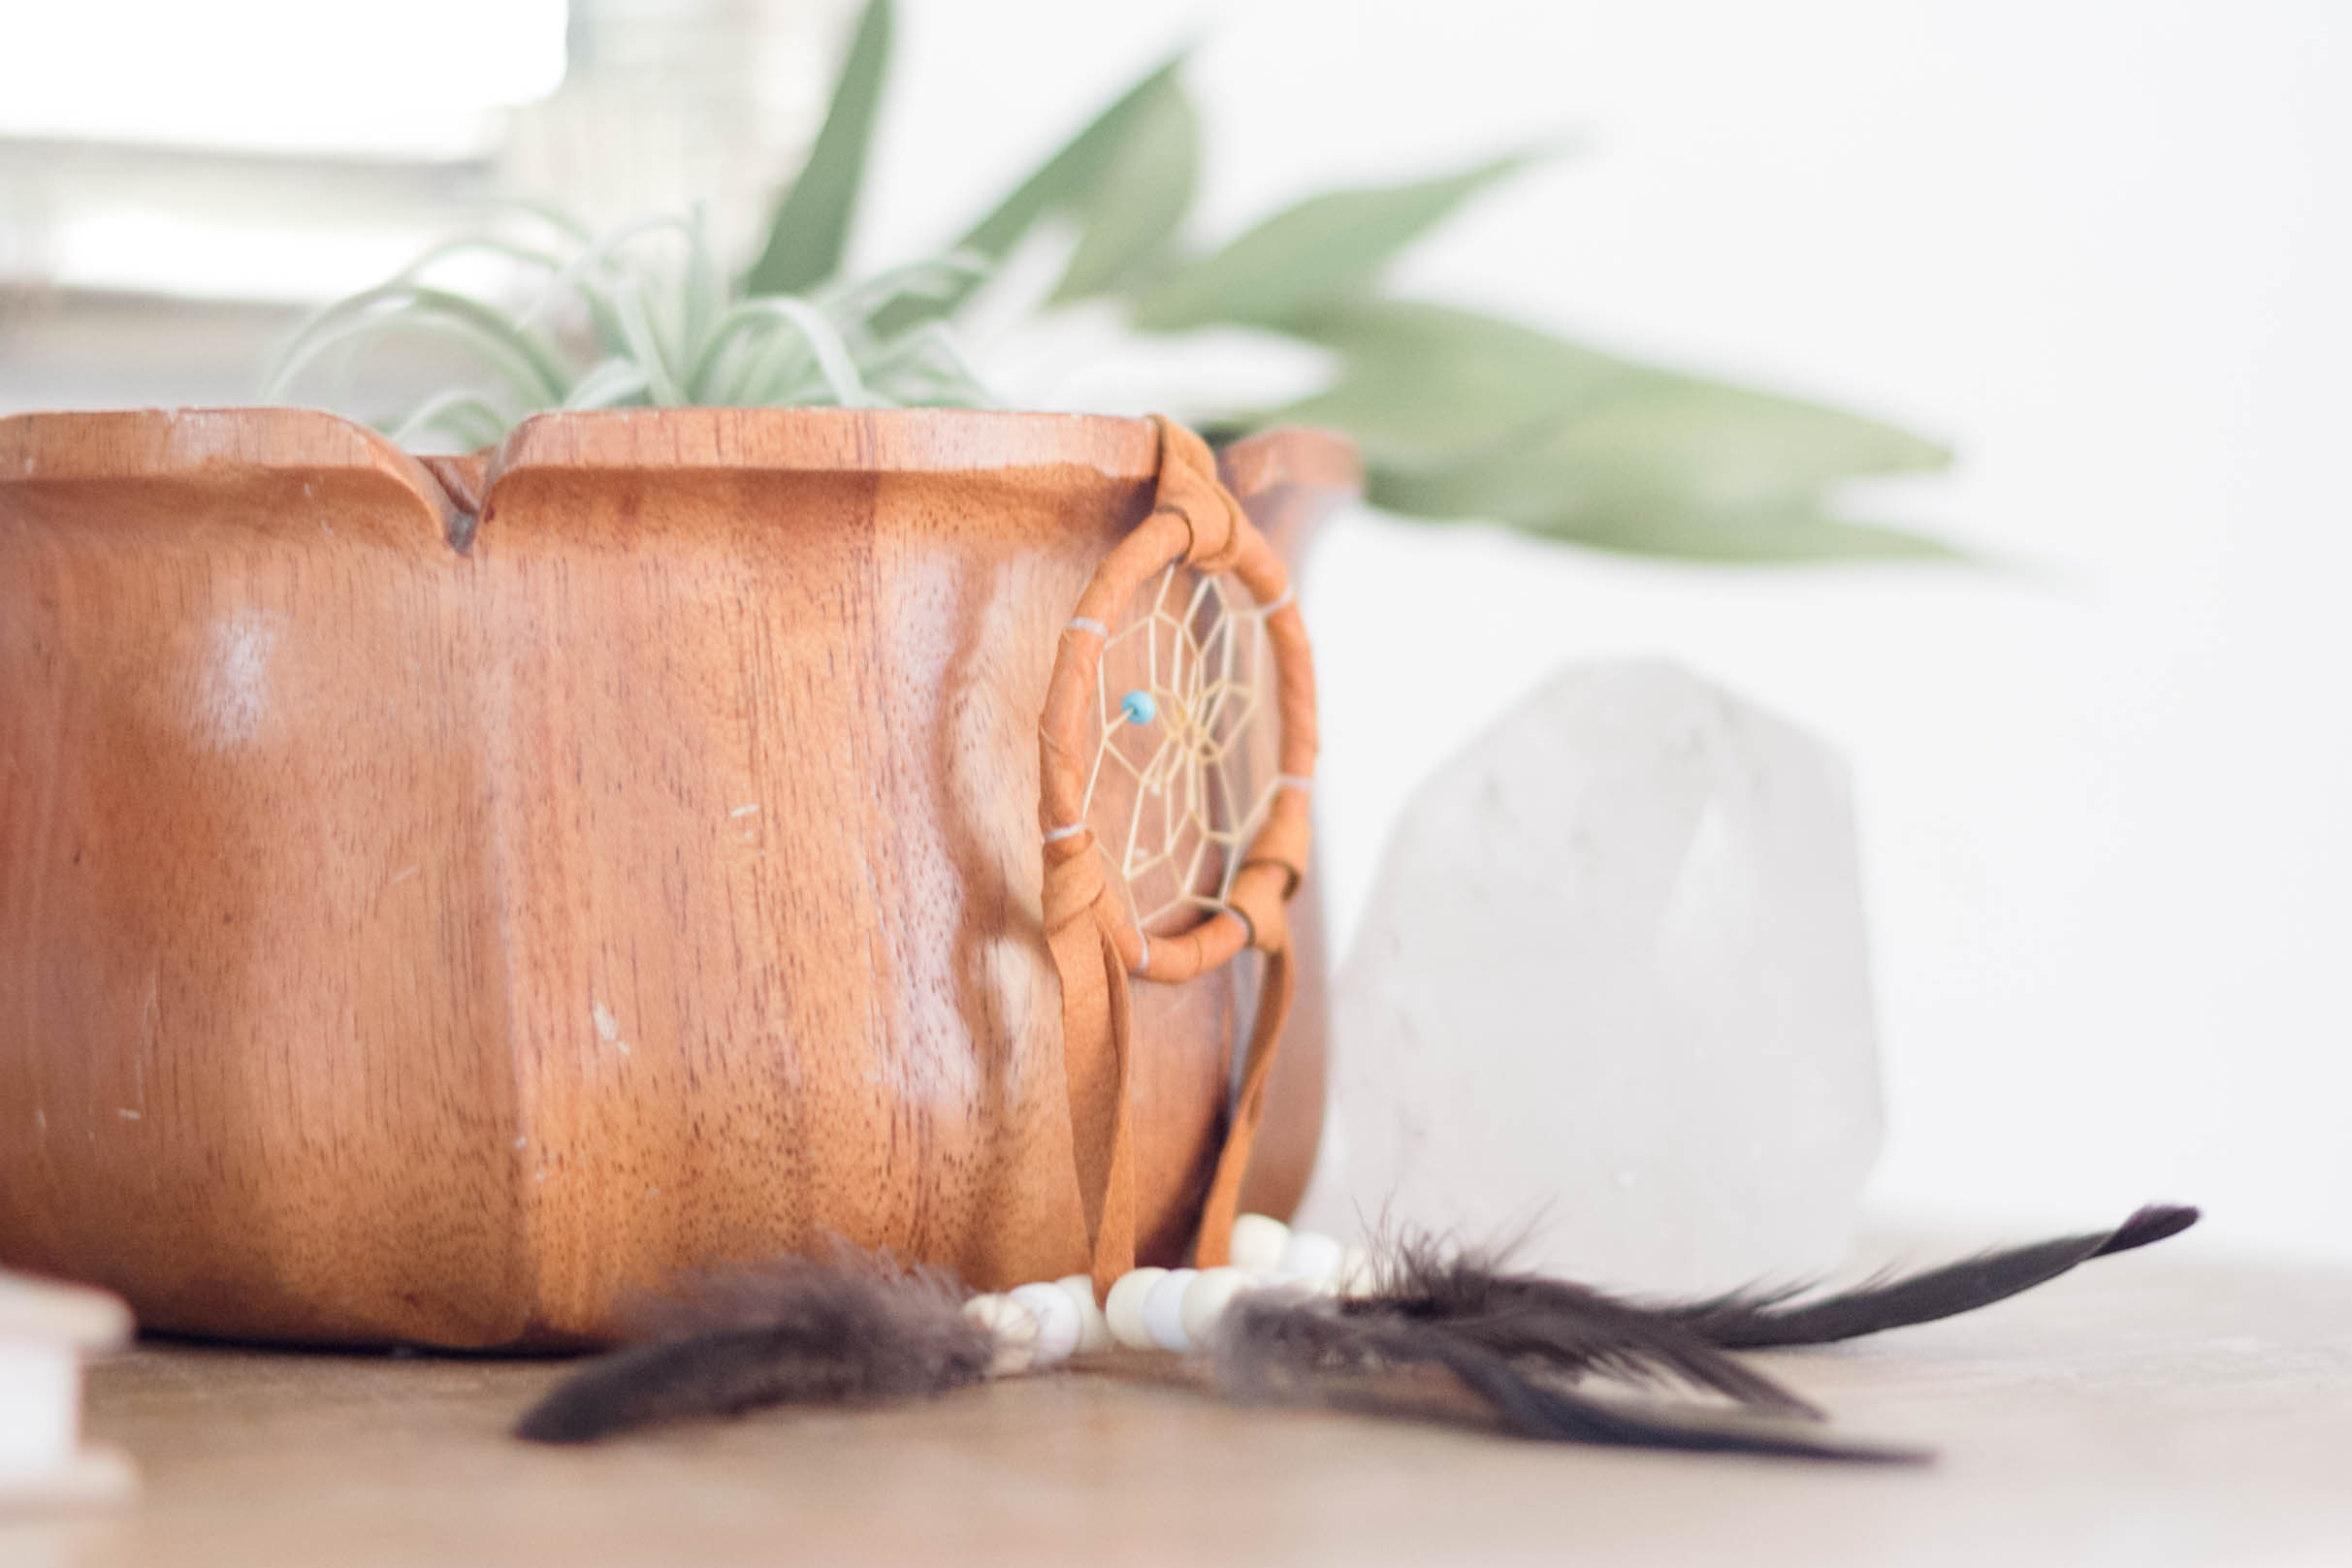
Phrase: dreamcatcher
(1165, 853)
(1170, 846)
(1173, 793)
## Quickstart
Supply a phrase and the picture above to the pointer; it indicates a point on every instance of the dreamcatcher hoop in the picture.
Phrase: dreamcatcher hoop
(1094, 928)
(1179, 782)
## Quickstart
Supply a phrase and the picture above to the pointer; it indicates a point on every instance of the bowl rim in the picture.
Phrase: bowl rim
(108, 442)
(228, 444)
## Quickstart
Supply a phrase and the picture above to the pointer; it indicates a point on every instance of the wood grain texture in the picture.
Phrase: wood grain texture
(401, 943)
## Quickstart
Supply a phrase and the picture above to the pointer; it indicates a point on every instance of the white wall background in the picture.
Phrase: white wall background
(2103, 249)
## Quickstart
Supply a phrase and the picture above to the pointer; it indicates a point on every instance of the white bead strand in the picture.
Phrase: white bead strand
(1164, 1309)
(1093, 1328)
(1058, 1324)
(1207, 1298)
(1124, 1308)
(1042, 1324)
(1258, 1243)
(1012, 1326)
(1312, 1257)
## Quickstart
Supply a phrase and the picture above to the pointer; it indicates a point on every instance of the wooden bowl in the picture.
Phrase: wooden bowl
(417, 928)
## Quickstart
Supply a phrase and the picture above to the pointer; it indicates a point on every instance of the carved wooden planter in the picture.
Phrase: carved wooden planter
(422, 928)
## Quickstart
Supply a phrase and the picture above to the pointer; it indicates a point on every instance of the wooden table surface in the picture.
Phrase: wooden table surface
(2152, 1410)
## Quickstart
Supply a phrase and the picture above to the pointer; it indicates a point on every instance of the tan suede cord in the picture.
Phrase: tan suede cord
(1095, 943)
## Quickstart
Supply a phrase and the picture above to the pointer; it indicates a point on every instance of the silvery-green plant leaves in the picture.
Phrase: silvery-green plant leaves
(646, 316)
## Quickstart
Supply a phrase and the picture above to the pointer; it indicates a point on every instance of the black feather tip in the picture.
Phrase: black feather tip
(856, 1329)
(1518, 1345)
(1754, 1319)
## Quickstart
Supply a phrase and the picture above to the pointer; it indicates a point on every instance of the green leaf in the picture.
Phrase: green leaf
(467, 418)
(1671, 466)
(1790, 531)
(527, 366)
(805, 328)
(812, 225)
(588, 276)
(1070, 179)
(926, 365)
(645, 345)
(1323, 248)
(1422, 383)
(1069, 182)
(1137, 205)
(861, 300)
(612, 383)
(1464, 415)
(705, 285)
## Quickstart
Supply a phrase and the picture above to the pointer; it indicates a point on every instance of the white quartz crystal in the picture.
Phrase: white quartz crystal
(1611, 995)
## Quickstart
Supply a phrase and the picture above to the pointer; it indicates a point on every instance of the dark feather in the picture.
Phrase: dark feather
(1754, 1320)
(1284, 1347)
(1567, 1327)
(1515, 1343)
(853, 1331)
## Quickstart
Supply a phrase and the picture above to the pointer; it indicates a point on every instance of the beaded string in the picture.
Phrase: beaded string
(1039, 1325)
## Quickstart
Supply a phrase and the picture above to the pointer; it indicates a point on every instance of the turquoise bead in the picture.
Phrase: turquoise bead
(1139, 707)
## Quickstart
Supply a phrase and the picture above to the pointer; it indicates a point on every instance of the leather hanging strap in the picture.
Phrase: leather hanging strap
(1094, 942)
(1215, 1245)
(1097, 1051)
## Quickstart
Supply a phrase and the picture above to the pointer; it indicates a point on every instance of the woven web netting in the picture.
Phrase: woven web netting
(1182, 773)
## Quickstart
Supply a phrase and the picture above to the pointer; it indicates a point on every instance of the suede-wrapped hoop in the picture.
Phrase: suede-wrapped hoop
(1095, 942)
(1196, 522)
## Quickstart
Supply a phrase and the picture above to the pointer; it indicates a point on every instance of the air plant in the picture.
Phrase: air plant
(645, 316)
(1459, 415)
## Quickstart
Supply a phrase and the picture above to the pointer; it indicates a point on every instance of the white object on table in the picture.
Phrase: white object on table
(46, 1331)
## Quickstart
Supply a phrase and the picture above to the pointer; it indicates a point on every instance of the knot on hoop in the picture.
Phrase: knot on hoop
(1189, 488)
(1260, 898)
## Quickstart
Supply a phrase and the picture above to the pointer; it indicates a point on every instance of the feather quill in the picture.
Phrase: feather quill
(1754, 1320)
(856, 1329)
